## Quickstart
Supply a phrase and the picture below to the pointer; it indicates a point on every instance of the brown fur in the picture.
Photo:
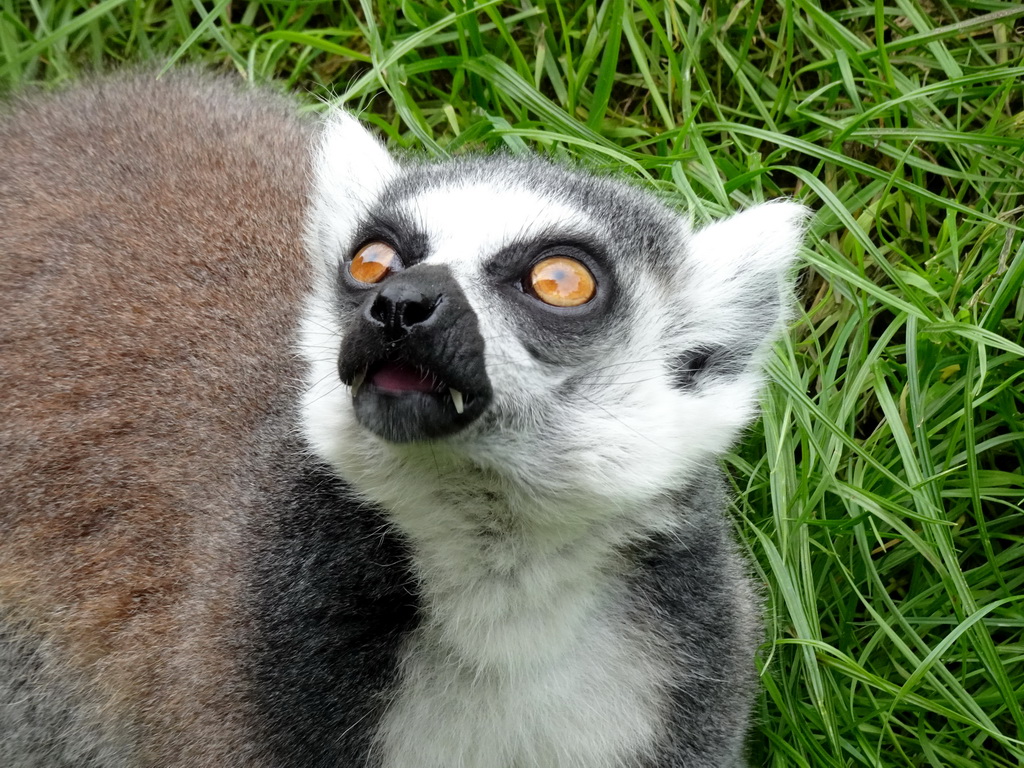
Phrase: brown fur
(150, 278)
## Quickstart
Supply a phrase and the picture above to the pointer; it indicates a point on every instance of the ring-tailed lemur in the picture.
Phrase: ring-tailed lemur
(445, 498)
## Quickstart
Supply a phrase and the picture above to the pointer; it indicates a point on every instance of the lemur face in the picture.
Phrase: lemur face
(448, 284)
(566, 331)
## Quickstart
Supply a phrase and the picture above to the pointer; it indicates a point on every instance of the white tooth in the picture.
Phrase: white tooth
(357, 382)
(457, 399)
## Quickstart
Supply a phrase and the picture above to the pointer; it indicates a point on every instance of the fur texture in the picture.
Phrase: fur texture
(215, 551)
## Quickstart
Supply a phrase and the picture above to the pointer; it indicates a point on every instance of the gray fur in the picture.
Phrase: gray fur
(44, 722)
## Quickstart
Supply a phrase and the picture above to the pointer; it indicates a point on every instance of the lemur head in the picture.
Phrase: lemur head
(566, 335)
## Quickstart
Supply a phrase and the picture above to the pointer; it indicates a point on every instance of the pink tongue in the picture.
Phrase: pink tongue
(402, 378)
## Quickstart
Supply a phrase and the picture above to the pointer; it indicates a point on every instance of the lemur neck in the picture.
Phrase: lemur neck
(503, 577)
(529, 651)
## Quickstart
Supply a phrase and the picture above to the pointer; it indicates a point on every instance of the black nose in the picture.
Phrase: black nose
(400, 306)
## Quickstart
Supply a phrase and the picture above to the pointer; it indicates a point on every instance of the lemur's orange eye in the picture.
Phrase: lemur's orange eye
(374, 262)
(561, 282)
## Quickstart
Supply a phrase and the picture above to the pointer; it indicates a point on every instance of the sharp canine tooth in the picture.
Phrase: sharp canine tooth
(457, 400)
(357, 382)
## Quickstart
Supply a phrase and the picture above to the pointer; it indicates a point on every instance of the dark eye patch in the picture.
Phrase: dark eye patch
(513, 261)
(560, 335)
(390, 228)
(398, 231)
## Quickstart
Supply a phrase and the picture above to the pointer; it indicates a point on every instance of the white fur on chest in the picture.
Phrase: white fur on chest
(525, 658)
(593, 707)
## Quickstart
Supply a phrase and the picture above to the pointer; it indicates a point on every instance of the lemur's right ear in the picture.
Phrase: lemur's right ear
(351, 167)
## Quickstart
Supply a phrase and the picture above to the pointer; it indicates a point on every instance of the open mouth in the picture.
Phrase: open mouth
(396, 379)
(406, 400)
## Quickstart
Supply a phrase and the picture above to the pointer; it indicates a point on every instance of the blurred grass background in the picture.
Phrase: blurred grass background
(881, 494)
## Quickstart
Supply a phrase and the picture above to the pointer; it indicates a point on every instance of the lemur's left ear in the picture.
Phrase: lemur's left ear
(351, 168)
(736, 287)
(761, 240)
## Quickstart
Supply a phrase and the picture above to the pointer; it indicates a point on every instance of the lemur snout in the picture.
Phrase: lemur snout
(413, 355)
(402, 304)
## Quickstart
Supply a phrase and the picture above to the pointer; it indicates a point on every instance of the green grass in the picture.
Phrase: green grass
(882, 492)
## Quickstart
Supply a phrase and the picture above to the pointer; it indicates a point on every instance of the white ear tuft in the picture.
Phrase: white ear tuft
(765, 237)
(352, 158)
(351, 169)
(737, 283)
